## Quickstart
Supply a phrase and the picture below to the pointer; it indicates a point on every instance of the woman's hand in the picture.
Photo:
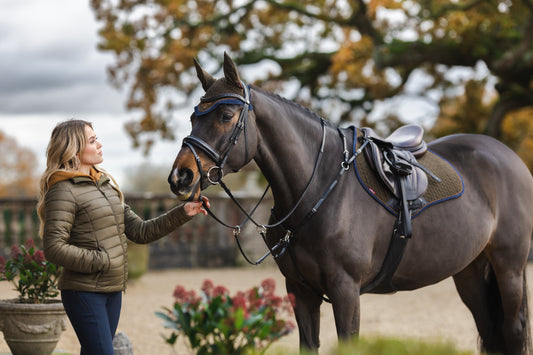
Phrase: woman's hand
(195, 207)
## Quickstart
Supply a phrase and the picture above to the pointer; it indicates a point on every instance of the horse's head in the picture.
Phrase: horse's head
(223, 137)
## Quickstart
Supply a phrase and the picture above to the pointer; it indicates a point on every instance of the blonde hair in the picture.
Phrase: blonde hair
(66, 144)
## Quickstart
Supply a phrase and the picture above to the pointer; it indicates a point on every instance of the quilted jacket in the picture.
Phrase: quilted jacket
(85, 231)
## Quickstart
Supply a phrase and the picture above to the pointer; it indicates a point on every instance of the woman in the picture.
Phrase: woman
(85, 226)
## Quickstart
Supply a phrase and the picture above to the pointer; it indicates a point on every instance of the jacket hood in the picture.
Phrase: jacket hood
(62, 175)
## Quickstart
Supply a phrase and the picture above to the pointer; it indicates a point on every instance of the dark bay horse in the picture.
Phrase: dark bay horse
(481, 238)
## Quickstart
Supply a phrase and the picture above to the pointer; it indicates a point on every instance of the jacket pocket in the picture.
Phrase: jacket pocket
(106, 260)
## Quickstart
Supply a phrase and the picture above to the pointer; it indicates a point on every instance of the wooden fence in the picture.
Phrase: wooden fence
(202, 242)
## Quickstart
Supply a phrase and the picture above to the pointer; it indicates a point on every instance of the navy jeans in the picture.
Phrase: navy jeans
(94, 317)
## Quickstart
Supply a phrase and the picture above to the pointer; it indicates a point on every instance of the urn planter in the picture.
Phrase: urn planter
(32, 329)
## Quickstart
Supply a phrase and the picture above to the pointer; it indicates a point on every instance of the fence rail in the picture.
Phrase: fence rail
(199, 243)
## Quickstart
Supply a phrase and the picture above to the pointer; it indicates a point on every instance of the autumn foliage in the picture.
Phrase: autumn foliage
(344, 59)
(18, 166)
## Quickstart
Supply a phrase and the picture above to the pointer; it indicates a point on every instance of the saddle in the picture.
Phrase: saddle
(395, 156)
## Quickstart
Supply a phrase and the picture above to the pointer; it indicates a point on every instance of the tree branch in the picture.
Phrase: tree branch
(413, 54)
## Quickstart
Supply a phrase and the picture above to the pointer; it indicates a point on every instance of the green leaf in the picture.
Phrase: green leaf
(239, 319)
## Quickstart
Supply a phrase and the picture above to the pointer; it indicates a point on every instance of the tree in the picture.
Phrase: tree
(17, 165)
(517, 133)
(340, 58)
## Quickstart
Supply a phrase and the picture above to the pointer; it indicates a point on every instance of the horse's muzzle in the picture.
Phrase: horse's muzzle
(181, 184)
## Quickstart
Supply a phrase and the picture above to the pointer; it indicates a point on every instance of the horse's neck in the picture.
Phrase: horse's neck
(289, 142)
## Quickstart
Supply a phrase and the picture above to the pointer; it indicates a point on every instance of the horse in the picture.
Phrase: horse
(338, 237)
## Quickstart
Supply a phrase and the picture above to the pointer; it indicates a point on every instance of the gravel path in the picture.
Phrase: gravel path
(434, 313)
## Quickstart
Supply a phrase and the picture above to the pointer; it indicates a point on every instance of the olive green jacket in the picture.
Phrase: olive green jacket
(85, 231)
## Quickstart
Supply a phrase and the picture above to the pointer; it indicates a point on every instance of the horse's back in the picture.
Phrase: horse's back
(483, 157)
(497, 177)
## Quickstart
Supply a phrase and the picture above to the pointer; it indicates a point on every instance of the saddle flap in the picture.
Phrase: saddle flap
(416, 183)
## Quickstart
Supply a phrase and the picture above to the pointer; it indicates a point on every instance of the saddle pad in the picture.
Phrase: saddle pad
(449, 188)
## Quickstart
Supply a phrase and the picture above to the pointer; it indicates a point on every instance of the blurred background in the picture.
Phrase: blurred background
(127, 66)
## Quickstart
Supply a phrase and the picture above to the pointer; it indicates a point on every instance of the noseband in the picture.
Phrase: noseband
(220, 159)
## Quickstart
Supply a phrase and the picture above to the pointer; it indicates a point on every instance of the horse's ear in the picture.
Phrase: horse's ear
(230, 71)
(205, 78)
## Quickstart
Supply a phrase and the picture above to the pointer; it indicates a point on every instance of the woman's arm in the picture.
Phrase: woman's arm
(143, 232)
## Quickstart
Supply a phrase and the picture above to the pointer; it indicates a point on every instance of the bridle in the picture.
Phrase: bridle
(193, 142)
(220, 159)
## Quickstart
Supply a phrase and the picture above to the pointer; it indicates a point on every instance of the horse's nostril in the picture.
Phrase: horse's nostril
(185, 176)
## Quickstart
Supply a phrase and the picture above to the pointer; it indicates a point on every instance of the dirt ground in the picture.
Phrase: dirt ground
(434, 313)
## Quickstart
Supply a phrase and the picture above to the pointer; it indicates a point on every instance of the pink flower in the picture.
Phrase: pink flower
(39, 257)
(239, 301)
(255, 304)
(252, 294)
(2, 264)
(220, 291)
(29, 244)
(191, 297)
(180, 293)
(207, 287)
(15, 252)
(275, 301)
(269, 286)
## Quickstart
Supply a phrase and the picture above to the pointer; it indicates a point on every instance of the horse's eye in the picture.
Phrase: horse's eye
(227, 117)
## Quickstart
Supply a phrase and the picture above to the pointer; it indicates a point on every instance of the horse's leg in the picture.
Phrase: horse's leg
(513, 294)
(344, 296)
(475, 285)
(307, 313)
(497, 297)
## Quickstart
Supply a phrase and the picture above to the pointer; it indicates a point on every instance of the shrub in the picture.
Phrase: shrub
(33, 276)
(215, 323)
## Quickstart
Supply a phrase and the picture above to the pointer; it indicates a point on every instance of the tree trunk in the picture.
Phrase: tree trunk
(500, 110)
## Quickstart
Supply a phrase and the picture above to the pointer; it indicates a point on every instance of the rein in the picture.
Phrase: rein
(262, 228)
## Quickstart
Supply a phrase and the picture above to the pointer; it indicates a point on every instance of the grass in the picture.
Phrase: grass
(388, 346)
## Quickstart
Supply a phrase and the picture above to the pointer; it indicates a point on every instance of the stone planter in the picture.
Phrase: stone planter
(32, 329)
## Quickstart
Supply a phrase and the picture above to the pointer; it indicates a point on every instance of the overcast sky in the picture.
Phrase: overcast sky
(51, 71)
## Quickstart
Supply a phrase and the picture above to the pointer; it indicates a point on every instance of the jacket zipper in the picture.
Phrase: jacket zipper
(98, 186)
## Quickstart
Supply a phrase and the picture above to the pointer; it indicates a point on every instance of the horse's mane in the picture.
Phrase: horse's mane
(308, 112)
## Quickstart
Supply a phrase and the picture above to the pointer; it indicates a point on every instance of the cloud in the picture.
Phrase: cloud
(49, 62)
(51, 71)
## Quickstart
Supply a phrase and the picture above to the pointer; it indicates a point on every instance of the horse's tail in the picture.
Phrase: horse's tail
(524, 318)
(495, 342)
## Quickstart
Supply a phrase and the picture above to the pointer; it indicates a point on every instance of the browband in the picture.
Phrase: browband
(207, 105)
